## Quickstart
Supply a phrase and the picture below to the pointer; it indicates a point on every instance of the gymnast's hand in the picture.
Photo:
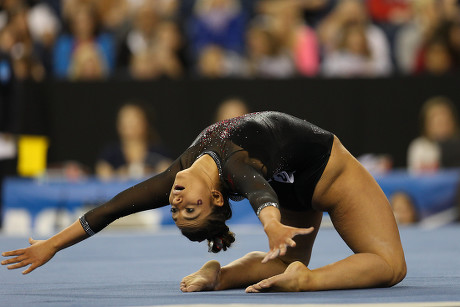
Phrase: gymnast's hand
(37, 254)
(280, 237)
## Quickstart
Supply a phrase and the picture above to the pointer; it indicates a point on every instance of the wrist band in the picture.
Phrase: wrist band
(86, 227)
(265, 206)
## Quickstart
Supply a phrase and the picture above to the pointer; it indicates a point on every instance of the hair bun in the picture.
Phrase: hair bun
(221, 243)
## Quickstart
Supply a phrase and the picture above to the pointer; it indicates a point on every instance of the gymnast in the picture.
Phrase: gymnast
(291, 171)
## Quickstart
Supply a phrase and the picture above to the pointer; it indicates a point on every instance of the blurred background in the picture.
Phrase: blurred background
(96, 95)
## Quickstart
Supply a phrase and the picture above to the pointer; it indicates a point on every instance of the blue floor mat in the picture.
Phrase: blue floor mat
(144, 269)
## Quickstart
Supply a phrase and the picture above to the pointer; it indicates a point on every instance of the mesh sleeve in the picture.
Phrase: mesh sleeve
(249, 182)
(149, 194)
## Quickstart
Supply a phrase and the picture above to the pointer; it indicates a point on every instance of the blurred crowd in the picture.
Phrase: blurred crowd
(151, 39)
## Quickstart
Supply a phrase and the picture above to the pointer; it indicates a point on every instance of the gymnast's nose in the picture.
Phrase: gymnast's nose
(177, 200)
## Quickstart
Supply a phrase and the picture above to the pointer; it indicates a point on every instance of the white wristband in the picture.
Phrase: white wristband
(269, 204)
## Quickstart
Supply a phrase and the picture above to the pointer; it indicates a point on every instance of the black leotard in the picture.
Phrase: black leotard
(264, 157)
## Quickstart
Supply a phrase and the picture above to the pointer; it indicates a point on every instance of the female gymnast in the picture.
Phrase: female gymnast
(291, 172)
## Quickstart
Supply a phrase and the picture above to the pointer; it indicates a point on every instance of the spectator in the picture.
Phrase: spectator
(404, 208)
(139, 152)
(84, 31)
(435, 57)
(25, 65)
(354, 12)
(44, 28)
(216, 62)
(266, 57)
(217, 22)
(294, 35)
(141, 36)
(352, 57)
(87, 63)
(230, 108)
(411, 36)
(439, 124)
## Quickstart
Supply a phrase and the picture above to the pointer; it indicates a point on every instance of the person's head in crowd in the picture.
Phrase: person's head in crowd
(144, 65)
(211, 62)
(437, 57)
(84, 23)
(351, 11)
(168, 9)
(113, 14)
(404, 208)
(7, 39)
(134, 122)
(260, 40)
(217, 13)
(146, 19)
(439, 119)
(231, 107)
(169, 36)
(87, 63)
(44, 25)
(353, 40)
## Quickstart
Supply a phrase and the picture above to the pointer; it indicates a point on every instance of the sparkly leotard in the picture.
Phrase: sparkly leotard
(264, 157)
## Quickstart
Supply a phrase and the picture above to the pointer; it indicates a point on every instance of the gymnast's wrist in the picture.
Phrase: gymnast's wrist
(269, 215)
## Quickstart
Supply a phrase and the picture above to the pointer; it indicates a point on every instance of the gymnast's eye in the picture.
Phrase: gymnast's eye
(189, 210)
(173, 210)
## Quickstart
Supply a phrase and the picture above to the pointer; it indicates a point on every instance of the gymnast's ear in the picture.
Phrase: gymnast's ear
(217, 198)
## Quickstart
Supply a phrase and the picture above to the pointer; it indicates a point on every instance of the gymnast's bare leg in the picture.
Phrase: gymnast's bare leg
(361, 214)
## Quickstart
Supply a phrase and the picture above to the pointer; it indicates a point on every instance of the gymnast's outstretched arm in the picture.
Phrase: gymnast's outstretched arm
(150, 194)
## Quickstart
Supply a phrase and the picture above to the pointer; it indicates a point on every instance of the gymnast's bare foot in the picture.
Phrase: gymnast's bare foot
(205, 279)
(294, 279)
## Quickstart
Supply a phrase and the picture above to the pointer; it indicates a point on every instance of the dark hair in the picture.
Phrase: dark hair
(214, 229)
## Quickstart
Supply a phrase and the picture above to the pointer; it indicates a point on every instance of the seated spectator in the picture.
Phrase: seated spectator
(230, 108)
(435, 58)
(20, 46)
(139, 152)
(266, 57)
(44, 26)
(352, 57)
(294, 35)
(84, 30)
(216, 62)
(87, 63)
(216, 22)
(354, 12)
(144, 66)
(411, 36)
(439, 124)
(141, 36)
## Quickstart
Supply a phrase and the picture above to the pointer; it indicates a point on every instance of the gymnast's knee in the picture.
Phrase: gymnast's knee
(399, 271)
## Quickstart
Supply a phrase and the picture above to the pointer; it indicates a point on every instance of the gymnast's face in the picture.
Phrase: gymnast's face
(190, 200)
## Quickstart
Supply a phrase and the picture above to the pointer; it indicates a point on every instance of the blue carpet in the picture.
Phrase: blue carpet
(145, 269)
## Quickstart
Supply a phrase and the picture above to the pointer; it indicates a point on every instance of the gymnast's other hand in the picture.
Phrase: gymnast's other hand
(37, 254)
(280, 238)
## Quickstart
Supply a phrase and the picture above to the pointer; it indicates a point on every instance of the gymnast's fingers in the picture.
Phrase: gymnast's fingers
(13, 260)
(30, 269)
(290, 242)
(282, 250)
(267, 256)
(14, 253)
(303, 231)
(18, 265)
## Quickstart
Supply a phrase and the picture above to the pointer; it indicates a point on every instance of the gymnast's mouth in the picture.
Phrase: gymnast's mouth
(178, 187)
